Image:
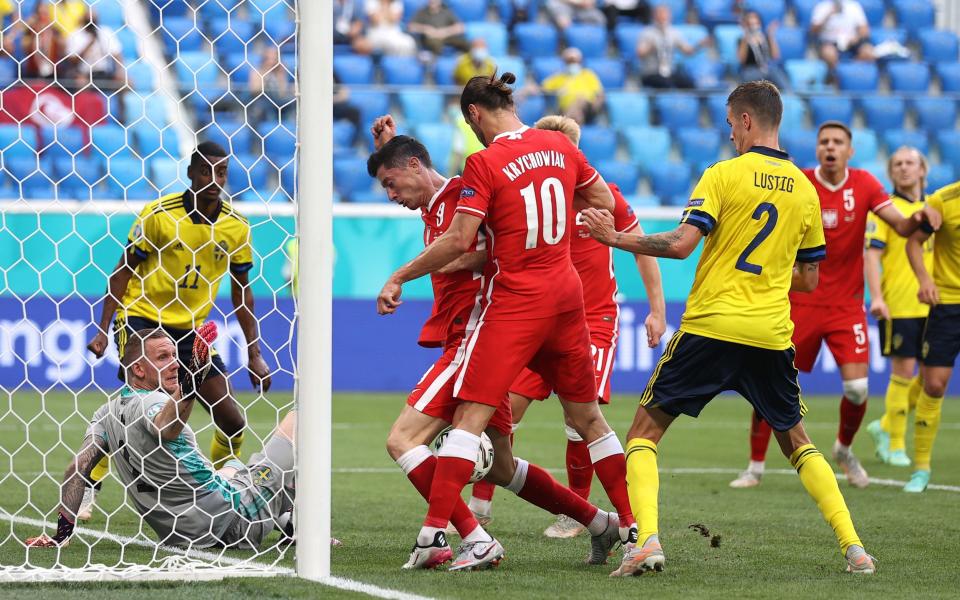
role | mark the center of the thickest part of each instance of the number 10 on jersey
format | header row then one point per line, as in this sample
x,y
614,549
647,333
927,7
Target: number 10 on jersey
x,y
553,206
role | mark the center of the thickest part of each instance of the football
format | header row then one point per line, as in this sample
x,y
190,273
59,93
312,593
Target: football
x,y
484,455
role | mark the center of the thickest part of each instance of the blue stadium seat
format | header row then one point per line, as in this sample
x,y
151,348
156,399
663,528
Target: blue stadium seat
x,y
443,69
109,139
506,9
350,176
18,168
883,112
647,145
536,39
64,141
866,146
280,31
89,170
279,143
909,76
170,175
705,72
180,34
727,38
248,173
935,113
495,34
229,35
770,10
714,13
344,133
468,10
234,135
938,45
792,42
806,75
18,141
370,103
139,75
878,35
401,70
894,138
831,108
949,75
669,179
152,141
643,201
627,35
794,112
512,64
353,69
123,172
694,35
875,10
801,144
858,76
949,143
678,110
531,108
421,106
803,10
598,142
678,9
940,175
625,175
611,71
590,39
628,109
110,13
438,138
717,109
699,147
914,15
545,66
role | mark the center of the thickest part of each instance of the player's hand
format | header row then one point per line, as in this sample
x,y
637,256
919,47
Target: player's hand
x,y
98,345
600,224
259,372
45,541
928,293
383,130
656,326
389,298
930,215
879,309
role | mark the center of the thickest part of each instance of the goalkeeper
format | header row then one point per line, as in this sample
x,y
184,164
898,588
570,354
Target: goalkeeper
x,y
143,429
178,251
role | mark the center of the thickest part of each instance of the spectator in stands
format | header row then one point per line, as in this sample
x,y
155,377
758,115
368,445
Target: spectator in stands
x,y
347,27
638,10
579,91
435,27
96,54
68,15
473,63
566,12
343,109
842,31
270,87
42,44
656,49
384,33
758,52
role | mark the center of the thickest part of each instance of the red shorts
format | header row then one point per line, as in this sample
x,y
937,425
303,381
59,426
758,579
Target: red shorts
x,y
603,347
433,395
557,348
843,328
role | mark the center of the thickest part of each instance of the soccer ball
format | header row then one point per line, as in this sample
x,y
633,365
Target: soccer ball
x,y
484,455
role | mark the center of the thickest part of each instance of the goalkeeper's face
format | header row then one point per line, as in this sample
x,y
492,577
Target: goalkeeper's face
x,y
159,366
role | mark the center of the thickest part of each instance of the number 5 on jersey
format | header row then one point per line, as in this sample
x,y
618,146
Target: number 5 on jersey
x,y
553,207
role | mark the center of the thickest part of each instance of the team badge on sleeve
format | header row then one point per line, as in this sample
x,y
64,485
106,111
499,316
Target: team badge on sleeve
x,y
467,193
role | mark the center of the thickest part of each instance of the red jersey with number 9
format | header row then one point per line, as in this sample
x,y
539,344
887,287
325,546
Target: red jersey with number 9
x,y
523,186
844,209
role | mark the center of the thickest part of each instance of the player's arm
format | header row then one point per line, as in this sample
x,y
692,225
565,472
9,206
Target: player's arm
x,y
871,270
383,130
905,226
74,483
453,243
678,243
806,277
173,417
656,321
595,194
471,261
928,293
116,288
242,297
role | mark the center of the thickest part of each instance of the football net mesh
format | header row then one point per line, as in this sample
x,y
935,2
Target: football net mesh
x,y
101,104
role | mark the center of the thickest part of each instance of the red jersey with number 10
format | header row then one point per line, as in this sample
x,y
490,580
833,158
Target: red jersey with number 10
x,y
523,185
844,209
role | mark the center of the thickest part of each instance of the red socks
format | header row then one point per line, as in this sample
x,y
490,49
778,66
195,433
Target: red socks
x,y
851,415
483,490
449,479
579,468
760,432
422,477
610,465
542,490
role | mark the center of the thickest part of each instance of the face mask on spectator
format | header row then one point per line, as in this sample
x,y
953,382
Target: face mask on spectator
x,y
574,68
479,54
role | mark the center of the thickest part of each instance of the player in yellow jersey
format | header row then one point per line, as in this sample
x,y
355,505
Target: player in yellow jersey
x,y
178,251
893,302
764,236
941,337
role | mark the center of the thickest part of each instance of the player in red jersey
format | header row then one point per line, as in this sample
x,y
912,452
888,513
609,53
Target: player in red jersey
x,y
403,167
594,264
521,187
834,312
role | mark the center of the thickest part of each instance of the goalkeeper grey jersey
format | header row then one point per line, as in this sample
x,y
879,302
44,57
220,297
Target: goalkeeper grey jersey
x,y
172,484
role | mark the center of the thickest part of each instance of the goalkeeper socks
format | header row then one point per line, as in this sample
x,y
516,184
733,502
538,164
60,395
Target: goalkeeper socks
x,y
820,482
455,462
643,481
536,486
896,406
760,432
420,464
606,454
579,466
926,423
100,471
223,448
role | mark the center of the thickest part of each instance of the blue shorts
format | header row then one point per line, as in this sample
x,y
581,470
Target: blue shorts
x,y
941,337
694,369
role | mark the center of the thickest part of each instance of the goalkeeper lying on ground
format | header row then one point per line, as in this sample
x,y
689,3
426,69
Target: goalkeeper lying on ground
x,y
171,484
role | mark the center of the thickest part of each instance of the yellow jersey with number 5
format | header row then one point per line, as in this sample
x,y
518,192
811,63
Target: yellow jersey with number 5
x,y
760,215
946,243
184,259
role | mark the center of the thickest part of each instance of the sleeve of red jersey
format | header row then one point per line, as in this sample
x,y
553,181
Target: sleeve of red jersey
x,y
476,191
586,174
703,209
878,196
624,219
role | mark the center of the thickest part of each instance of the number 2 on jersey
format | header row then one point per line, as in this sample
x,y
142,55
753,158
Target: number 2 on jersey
x,y
765,231
554,211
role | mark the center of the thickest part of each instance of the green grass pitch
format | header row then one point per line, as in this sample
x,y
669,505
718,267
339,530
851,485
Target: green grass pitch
x,y
773,541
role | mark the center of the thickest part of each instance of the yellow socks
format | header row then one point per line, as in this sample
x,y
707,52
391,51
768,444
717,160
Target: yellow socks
x,y
643,485
100,470
820,482
926,423
223,448
916,388
897,405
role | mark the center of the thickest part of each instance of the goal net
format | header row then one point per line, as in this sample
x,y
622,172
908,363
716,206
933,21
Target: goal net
x,y
101,105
